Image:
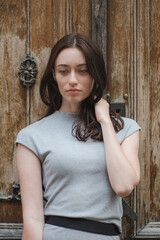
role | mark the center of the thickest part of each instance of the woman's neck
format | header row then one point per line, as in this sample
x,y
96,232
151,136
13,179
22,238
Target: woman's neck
x,y
72,108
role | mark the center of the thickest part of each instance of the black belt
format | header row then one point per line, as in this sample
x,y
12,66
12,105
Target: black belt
x,y
83,225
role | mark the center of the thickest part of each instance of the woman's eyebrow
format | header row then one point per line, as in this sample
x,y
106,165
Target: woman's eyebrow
x,y
65,65
62,65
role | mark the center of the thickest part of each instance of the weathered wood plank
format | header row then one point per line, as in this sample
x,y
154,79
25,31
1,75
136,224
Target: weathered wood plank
x,y
71,16
81,16
148,28
12,94
154,109
121,62
133,96
59,19
41,25
99,25
118,49
143,110
133,60
13,30
10,211
41,41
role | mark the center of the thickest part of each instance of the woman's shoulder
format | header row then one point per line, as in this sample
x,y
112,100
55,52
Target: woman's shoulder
x,y
37,129
130,126
32,136
130,123
33,127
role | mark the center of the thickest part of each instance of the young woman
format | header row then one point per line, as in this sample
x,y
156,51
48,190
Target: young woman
x,y
84,156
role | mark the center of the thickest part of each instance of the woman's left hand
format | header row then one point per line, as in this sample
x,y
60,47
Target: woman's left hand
x,y
102,111
121,160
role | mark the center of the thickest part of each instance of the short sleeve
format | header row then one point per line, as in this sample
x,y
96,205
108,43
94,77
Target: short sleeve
x,y
26,138
130,126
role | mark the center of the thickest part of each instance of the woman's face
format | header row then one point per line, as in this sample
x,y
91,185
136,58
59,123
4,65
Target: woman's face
x,y
74,81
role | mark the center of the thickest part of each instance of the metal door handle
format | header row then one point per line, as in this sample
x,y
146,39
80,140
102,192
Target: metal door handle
x,y
15,193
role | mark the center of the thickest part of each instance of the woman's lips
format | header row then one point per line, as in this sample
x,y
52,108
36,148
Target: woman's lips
x,y
73,91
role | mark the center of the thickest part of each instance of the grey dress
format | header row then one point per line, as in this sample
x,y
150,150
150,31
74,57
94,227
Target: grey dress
x,y
75,178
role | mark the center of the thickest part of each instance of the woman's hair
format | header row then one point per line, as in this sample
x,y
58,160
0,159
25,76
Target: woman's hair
x,y
86,125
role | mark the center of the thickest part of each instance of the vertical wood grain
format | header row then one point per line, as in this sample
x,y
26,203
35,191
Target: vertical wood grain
x,y
143,102
12,94
59,19
10,212
99,25
154,109
148,86
71,16
28,51
82,17
41,41
118,49
13,30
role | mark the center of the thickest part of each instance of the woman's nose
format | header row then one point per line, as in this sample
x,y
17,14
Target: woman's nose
x,y
73,79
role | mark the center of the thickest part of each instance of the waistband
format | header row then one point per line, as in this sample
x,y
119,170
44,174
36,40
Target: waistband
x,y
83,225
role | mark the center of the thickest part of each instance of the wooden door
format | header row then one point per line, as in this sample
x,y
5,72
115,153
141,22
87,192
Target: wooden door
x,y
133,66
148,92
128,32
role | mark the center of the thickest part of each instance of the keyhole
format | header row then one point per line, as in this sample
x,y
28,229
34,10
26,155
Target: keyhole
x,y
118,111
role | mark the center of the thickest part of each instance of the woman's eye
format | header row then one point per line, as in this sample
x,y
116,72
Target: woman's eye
x,y
83,70
63,71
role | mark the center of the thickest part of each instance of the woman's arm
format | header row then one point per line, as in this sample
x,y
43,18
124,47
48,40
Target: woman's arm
x,y
122,160
29,170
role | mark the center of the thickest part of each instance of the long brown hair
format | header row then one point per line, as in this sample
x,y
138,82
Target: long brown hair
x,y
96,67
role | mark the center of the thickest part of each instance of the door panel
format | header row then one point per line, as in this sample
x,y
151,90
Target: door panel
x,y
12,97
148,29
155,112
118,43
41,40
120,77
